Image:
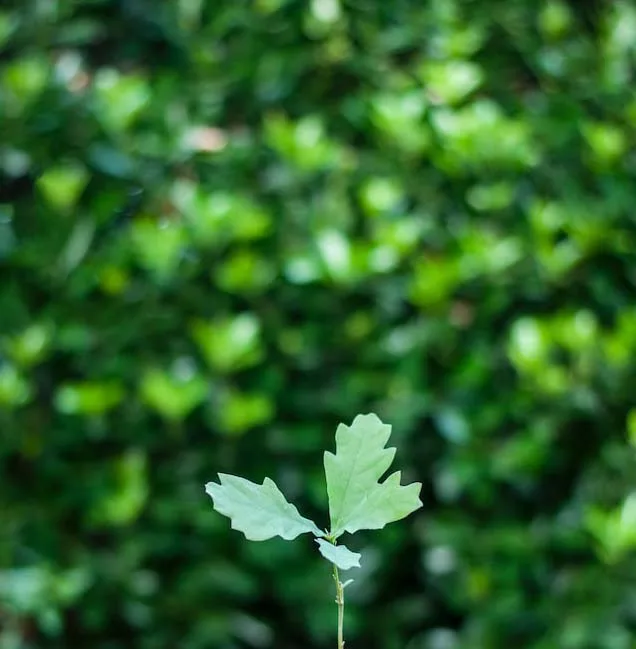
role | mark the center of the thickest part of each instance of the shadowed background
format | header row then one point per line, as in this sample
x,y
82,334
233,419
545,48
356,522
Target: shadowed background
x,y
226,226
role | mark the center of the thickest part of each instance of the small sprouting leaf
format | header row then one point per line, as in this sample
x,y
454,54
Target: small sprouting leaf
x,y
356,499
259,511
339,554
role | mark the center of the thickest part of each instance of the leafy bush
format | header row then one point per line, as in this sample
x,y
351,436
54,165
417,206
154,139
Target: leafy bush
x,y
226,226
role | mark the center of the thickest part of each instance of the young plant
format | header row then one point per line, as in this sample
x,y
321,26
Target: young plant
x,y
357,500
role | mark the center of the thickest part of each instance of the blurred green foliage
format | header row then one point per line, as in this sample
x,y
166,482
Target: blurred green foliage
x,y
226,226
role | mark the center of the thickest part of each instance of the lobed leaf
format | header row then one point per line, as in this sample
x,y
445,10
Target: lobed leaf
x,y
259,511
356,499
339,554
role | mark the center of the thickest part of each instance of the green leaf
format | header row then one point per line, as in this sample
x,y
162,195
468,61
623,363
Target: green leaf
x,y
259,511
173,395
230,344
339,554
356,500
88,397
63,185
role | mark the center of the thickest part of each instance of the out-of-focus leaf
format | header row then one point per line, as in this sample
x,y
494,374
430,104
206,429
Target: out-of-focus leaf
x,y
231,344
173,397
62,186
89,398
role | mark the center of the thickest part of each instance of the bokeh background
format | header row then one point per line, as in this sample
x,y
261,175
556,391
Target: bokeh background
x,y
226,226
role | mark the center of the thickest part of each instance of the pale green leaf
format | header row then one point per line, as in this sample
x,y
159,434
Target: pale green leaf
x,y
259,511
356,499
339,554
386,502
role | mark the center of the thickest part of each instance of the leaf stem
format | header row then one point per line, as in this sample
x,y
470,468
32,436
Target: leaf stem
x,y
339,602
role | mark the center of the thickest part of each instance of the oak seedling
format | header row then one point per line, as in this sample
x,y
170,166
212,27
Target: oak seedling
x,y
357,500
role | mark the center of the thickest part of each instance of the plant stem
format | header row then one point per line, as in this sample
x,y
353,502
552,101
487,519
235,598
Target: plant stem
x,y
340,602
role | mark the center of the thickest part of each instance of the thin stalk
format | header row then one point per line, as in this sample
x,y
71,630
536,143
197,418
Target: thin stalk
x,y
340,602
